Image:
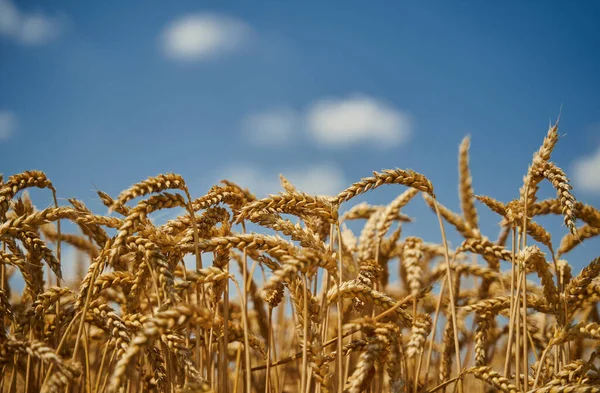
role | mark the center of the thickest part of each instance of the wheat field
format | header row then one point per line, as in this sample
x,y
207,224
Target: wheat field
x,y
302,304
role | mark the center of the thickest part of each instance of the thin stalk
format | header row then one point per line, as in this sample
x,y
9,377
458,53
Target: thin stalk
x,y
517,318
104,353
339,306
13,376
223,355
198,257
434,331
269,348
451,292
88,377
88,297
525,334
248,364
525,350
60,345
539,369
29,359
211,364
304,372
59,259
112,358
238,365
512,303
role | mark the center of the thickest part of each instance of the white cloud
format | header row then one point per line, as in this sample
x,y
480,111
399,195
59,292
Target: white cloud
x,y
586,172
201,36
330,122
316,179
357,119
27,28
274,128
8,124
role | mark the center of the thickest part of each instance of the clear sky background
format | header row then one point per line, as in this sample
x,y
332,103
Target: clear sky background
x,y
104,94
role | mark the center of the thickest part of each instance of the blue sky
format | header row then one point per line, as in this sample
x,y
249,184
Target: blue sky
x,y
104,94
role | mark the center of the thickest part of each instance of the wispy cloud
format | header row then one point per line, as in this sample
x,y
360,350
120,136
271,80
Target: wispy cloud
x,y
198,37
356,119
316,179
28,28
8,124
332,122
586,172
272,128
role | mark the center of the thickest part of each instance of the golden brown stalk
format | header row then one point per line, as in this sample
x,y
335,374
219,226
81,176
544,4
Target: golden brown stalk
x,y
483,322
393,210
411,259
445,366
182,227
35,245
492,204
47,299
576,288
420,331
287,186
354,288
65,371
258,302
5,310
138,216
109,202
18,182
539,234
570,241
300,262
586,213
32,281
393,362
368,244
530,182
498,303
363,211
231,195
453,218
76,241
465,189
486,248
155,184
177,317
407,178
274,296
364,372
590,330
304,236
299,204
52,214
253,241
571,388
531,257
494,378
561,183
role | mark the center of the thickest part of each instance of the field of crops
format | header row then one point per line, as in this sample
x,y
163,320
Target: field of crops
x,y
305,305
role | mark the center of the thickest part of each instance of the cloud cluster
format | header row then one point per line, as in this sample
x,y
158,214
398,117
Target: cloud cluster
x,y
332,122
586,172
356,119
196,37
28,28
8,124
